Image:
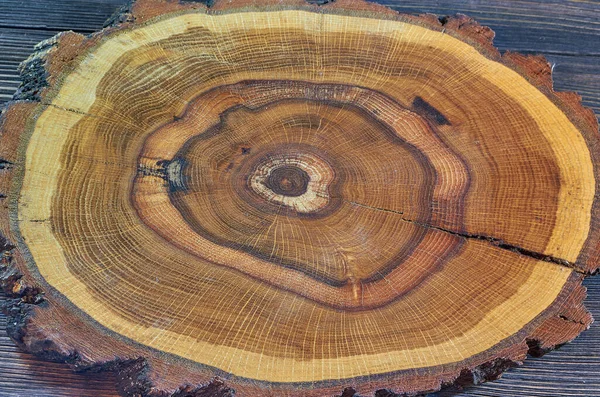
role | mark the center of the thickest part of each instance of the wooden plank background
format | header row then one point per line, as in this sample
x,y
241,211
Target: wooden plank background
x,y
567,32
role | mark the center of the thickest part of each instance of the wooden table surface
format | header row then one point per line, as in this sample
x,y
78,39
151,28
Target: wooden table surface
x,y
567,32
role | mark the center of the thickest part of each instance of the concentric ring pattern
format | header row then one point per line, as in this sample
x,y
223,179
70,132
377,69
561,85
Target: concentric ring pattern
x,y
301,196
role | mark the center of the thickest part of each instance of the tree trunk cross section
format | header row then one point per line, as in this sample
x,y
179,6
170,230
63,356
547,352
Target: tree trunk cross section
x,y
294,200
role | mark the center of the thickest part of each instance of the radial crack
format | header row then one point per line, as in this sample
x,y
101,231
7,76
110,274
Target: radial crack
x,y
492,240
377,209
5,164
565,318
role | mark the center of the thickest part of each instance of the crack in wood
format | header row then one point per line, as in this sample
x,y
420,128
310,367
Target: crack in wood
x,y
70,110
5,164
492,240
563,317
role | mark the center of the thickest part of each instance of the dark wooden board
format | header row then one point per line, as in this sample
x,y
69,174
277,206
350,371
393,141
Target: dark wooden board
x,y
56,15
566,32
547,26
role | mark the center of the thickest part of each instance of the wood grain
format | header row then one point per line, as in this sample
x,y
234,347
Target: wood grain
x,y
549,27
561,60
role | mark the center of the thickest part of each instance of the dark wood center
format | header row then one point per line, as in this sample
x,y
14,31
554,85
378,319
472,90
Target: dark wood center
x,y
288,181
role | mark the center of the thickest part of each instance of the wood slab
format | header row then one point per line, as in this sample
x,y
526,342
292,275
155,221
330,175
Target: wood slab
x,y
308,184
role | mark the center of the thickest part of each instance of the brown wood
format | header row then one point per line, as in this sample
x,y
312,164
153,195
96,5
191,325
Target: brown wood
x,y
226,218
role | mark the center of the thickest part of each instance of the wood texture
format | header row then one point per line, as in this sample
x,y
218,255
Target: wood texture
x,y
26,375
